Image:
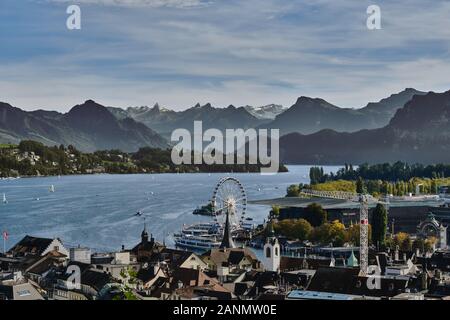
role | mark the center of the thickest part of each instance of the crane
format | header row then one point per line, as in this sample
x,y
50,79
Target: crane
x,y
363,200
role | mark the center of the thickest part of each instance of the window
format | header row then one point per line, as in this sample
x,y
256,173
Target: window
x,y
276,252
267,252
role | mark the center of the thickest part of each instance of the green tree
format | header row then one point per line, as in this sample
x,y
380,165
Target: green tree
x,y
302,229
379,225
316,175
360,187
293,191
315,214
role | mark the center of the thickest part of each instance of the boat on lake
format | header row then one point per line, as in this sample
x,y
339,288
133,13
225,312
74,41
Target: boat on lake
x,y
202,236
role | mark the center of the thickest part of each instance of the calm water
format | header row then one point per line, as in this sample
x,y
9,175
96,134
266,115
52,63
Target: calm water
x,y
98,210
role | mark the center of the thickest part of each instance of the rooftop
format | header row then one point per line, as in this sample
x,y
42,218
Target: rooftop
x,y
315,295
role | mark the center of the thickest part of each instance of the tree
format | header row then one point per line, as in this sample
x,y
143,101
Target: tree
x,y
293,191
379,225
327,233
302,229
294,229
316,175
315,214
338,233
360,187
275,211
429,244
403,241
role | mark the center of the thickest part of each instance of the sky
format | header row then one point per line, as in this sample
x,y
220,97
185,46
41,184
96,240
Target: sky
x,y
241,52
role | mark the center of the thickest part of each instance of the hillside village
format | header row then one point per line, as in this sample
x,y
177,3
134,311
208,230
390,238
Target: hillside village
x,y
32,158
39,268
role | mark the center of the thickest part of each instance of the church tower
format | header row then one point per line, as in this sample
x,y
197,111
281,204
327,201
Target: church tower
x,y
144,234
272,254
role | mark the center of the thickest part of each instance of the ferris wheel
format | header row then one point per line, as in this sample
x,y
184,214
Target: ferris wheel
x,y
229,194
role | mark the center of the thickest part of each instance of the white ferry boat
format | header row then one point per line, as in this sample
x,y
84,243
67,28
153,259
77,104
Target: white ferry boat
x,y
198,242
199,236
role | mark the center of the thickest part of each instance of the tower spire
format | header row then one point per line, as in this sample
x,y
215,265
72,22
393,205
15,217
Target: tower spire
x,y
144,234
227,241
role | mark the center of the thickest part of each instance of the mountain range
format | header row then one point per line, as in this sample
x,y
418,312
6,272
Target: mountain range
x,y
418,133
164,121
410,126
88,126
309,115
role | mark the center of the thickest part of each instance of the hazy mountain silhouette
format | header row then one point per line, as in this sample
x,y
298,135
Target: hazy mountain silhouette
x,y
165,121
309,115
88,126
418,132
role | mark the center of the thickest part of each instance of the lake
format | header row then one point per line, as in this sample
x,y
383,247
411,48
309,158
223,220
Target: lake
x,y
98,211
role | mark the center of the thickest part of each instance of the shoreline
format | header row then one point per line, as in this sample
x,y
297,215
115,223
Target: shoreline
x,y
135,173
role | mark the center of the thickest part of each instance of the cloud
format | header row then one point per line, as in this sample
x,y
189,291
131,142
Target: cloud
x,y
141,3
228,52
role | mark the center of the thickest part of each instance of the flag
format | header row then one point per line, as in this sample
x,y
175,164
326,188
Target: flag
x,y
5,235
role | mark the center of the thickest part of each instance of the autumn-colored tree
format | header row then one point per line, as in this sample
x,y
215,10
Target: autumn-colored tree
x,y
403,241
327,233
275,211
429,244
294,229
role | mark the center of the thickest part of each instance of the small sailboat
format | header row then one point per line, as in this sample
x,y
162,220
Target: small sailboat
x,y
4,199
52,188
